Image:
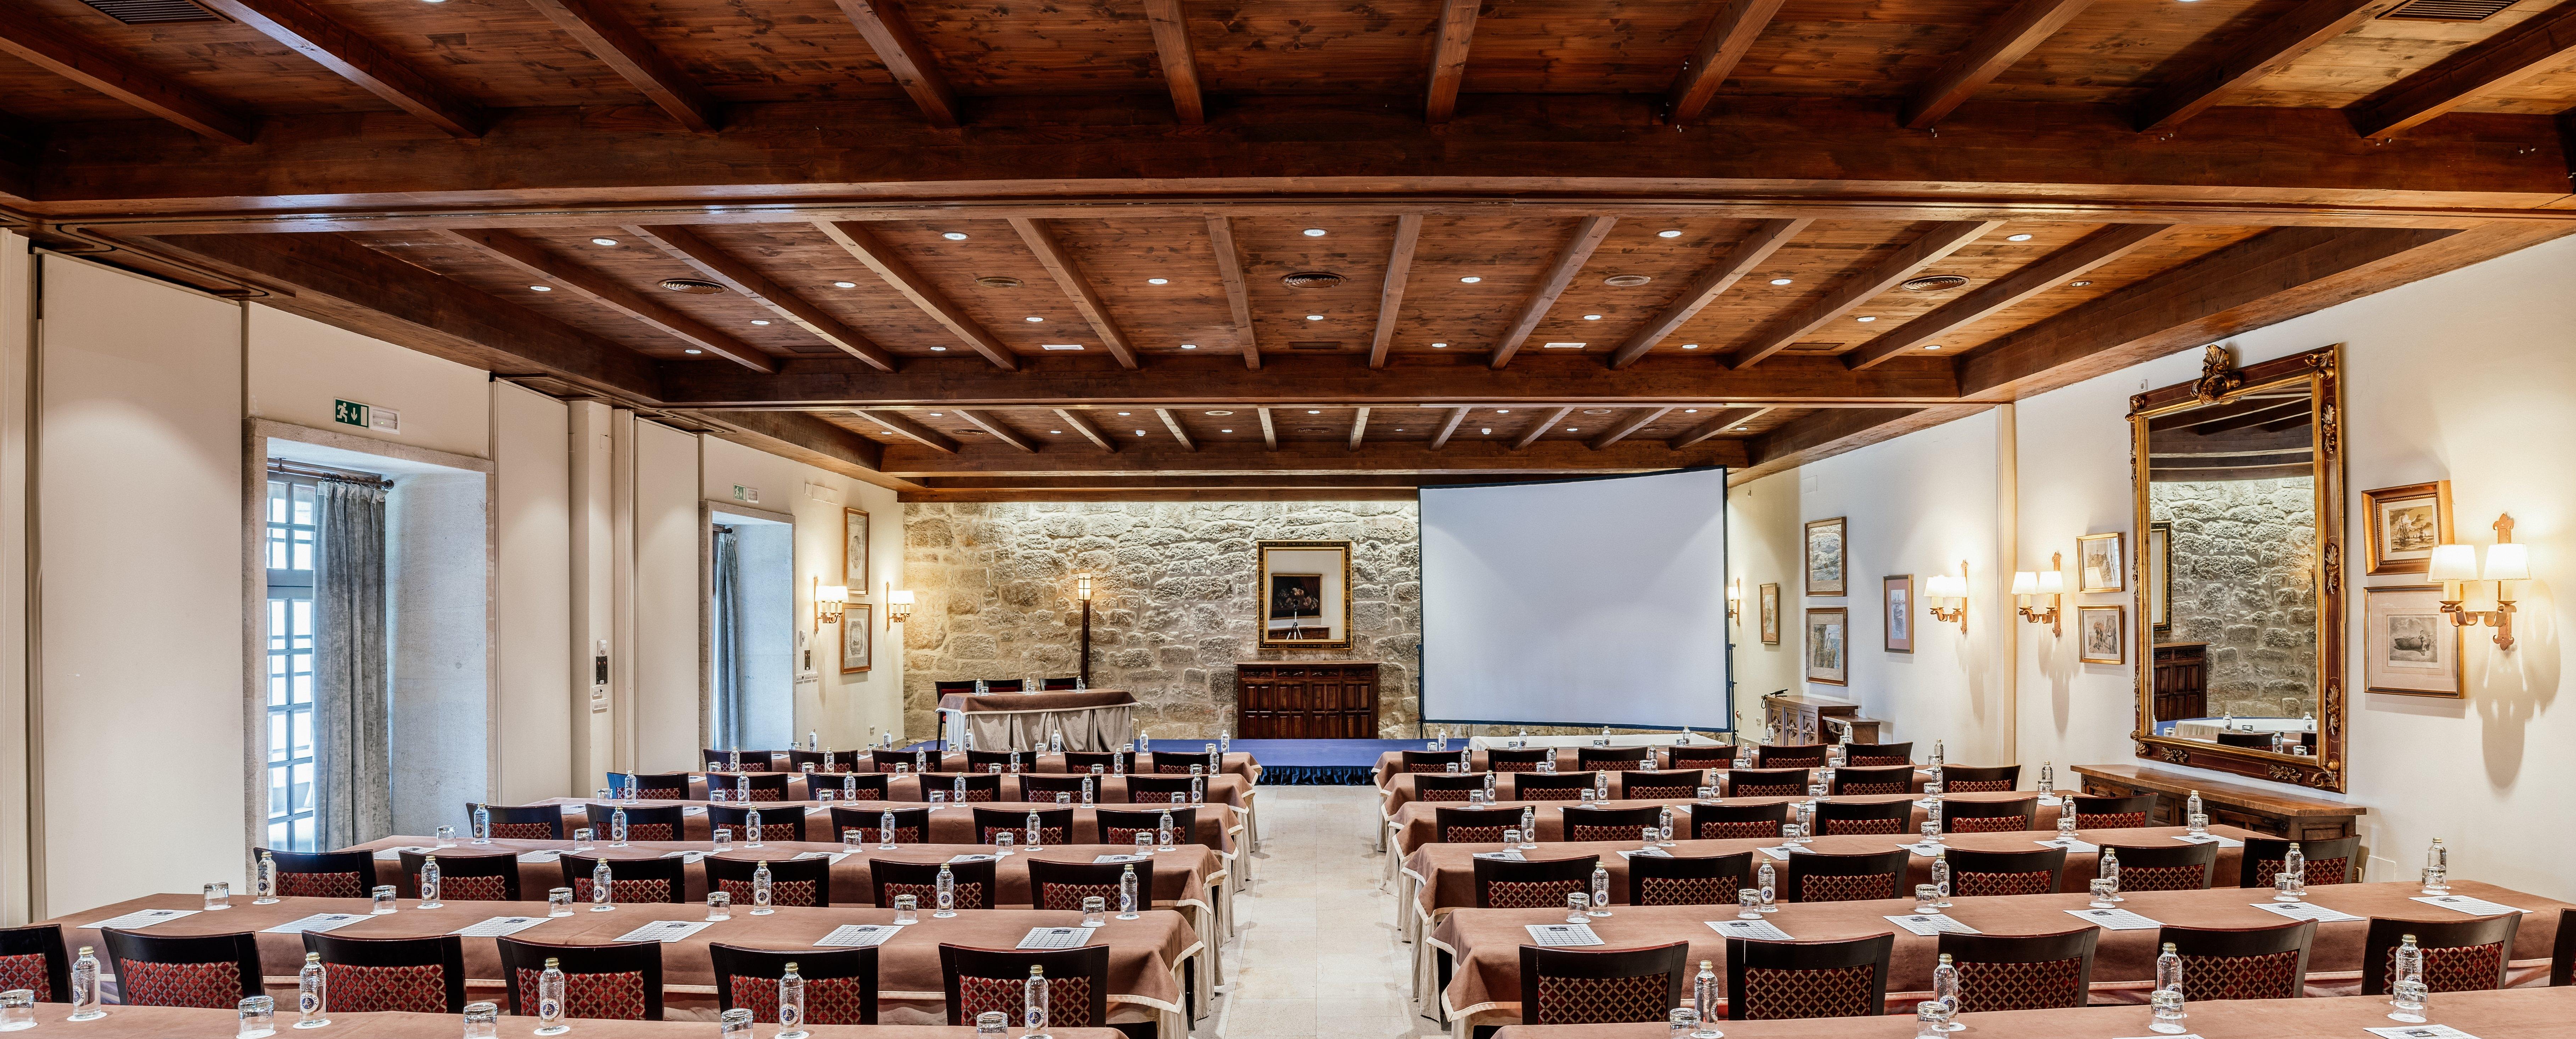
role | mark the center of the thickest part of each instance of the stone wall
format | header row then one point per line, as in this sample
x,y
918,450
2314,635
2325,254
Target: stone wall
x,y
2244,557
1174,606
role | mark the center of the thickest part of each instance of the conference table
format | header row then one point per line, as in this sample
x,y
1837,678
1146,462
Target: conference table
x,y
1148,956
1401,790
1088,719
2523,1013
1391,763
1416,824
123,1022
1474,978
1227,789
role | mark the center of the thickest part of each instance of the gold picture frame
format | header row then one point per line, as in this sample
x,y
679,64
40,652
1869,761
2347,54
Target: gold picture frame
x,y
858,638
1771,614
2408,647
1828,645
1896,612
2405,523
854,551
1828,569
1305,594
2102,562
2102,634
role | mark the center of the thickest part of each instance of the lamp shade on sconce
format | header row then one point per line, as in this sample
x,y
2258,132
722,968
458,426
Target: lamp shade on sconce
x,y
2454,563
2506,562
2052,582
2025,583
831,593
1942,588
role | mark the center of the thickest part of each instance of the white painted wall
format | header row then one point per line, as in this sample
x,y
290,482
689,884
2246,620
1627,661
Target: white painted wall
x,y
438,584
668,604
536,698
298,366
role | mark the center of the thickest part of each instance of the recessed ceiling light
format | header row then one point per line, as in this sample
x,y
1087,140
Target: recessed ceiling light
x,y
1931,346
541,288
1867,320
692,351
1502,411
1439,346
758,321
1123,413
1486,432
1739,427
1313,412
1033,319
1189,346
955,236
2079,284
1471,279
1225,431
1314,317
1591,317
2016,238
1571,429
603,241
1057,432
1158,281
934,414
1140,432
1220,413
938,349
1690,346
1314,232
1781,281
845,284
1669,233
1690,411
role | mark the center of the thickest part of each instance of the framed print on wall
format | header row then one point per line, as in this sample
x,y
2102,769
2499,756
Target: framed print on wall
x,y
1771,614
2405,523
858,638
1828,654
2103,634
1896,605
1825,557
854,551
1305,594
2101,562
2407,645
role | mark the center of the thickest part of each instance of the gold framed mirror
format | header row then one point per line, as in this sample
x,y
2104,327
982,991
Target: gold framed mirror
x,y
2239,478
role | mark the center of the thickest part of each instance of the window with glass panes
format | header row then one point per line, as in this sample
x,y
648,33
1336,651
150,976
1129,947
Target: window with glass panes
x,y
291,529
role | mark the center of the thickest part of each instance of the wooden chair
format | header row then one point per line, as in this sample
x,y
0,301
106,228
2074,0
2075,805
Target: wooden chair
x,y
983,980
884,761
752,761
1893,779
839,761
463,878
1766,782
1878,755
1815,877
1699,757
1610,759
1504,884
1551,786
1042,788
630,881
524,822
761,786
1662,786
1980,779
2329,862
985,788
1150,789
798,759
367,975
1988,816
214,970
326,874
2562,955
650,786
619,982
957,687
2113,813
1057,685
1435,762
2459,956
1011,762
1446,788
1054,824
1976,874
1119,827
784,823
1521,760
1788,755
911,825
1167,763
1836,818
1111,762
1678,881
1063,885
2023,972
792,881
2180,867
974,888
1607,824
2256,963
1735,822
643,823
1775,981
1471,825
840,984
851,786
32,958
1602,986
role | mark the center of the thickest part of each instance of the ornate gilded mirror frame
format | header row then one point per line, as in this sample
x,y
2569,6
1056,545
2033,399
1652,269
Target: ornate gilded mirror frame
x,y
2222,383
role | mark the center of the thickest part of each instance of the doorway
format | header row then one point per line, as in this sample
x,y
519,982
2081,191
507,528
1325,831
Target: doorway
x,y
751,628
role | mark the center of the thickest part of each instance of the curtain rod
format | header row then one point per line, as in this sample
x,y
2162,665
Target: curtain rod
x,y
324,472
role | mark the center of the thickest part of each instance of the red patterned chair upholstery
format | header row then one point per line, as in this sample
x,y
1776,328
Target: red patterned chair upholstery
x,y
215,970
752,761
2463,956
2113,813
792,881
1878,755
463,878
1662,786
911,825
840,984
1120,826
1550,786
1788,755
849,786
1988,816
1080,761
1836,818
982,762
1445,788
621,982
1602,986
2257,963
1980,779
365,975
1042,788
32,958
982,980
523,822
1610,759
1977,874
2329,862
2176,867
1504,884
1895,779
1156,790
975,888
1814,877
1772,981
629,880
1063,885
782,823
1055,825
758,786
1167,763
1435,762
986,788
1699,757
643,822
650,786
1607,824
1737,822
2023,972
324,874
1517,760
1695,881
883,761
1767,782
1472,825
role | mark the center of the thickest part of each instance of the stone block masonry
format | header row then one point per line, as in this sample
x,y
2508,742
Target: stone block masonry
x,y
2243,581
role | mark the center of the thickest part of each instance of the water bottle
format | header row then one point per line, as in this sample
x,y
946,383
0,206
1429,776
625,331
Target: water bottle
x,y
1945,988
2048,780
751,828
1600,890
1163,831
1086,791
550,999
849,786
1081,684
813,740
599,887
1198,790
920,762
616,828
1035,1007
979,687
1768,880
85,987
791,1005
1015,762
947,892
1941,876
2111,872
760,889
2293,879
2167,998
1035,831
2191,805
1055,742
885,830
1118,763
264,880
2066,820
482,824
1529,823
2406,993
1938,758
733,760
2437,868
1704,995
957,789
1224,743
310,993
429,882
1601,785
1127,893
742,788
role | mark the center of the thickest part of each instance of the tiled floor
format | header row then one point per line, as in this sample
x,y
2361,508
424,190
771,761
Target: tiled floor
x,y
1318,954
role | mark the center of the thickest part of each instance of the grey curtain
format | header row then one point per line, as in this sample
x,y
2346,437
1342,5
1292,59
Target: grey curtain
x,y
352,708
727,635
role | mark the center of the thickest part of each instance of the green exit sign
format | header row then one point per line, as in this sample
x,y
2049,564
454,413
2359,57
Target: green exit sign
x,y
349,413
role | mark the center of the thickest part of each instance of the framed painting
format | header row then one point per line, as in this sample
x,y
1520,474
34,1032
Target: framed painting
x,y
2101,562
2407,646
1771,614
1896,604
854,551
858,638
1825,557
2102,634
1828,655
1305,594
2155,578
2405,523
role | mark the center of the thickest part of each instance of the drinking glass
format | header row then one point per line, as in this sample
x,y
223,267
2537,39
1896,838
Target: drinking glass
x,y
824,795
724,838
2406,1001
446,837
1929,1019
939,797
219,895
1095,911
1931,831
482,1021
1064,799
2168,1011
1587,795
992,1024
1789,833
1144,843
1578,908
1704,792
1453,768
2285,887
583,838
1927,898
1002,843
907,909
2102,890
719,905
18,1011
734,1024
384,900
258,1015
559,901
1748,903
2199,823
1511,838
1529,837
1095,770
1682,1021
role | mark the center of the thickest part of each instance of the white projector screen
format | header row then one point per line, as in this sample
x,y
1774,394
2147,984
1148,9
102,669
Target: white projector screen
x,y
1585,602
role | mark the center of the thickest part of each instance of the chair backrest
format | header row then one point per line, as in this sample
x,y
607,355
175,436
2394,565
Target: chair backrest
x,y
1699,757
1082,760
643,822
2329,862
1975,874
621,981
1040,788
326,874
1772,981
1063,885
463,878
1656,880
840,984
650,786
1166,763
2177,867
366,975
1816,877
2459,956
1058,685
752,761
1504,884
1892,779
961,687
761,786
1960,816
2253,963
885,760
1601,986
975,888
984,787
798,759
1980,779
2113,813
1521,760
1788,755
2562,956
1446,788
2023,972
32,958
1156,789
1610,759
1554,786
1868,755
1836,818
213,970
792,881
1735,822
984,760
629,880
911,825
1607,824
523,822
1472,825
982,980
851,786
1119,826
1766,782
1055,825
1662,785
842,760
777,823
1434,762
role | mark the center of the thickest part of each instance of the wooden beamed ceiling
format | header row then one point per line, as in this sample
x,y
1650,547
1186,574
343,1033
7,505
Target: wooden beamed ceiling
x,y
1275,249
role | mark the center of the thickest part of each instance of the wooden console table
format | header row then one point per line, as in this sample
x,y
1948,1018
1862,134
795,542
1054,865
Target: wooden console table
x,y
2284,815
1801,720
1305,700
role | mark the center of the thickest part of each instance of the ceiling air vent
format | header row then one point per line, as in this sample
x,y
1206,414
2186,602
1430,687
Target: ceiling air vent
x,y
1315,344
152,12
2448,10
692,286
1934,283
995,281
1626,281
1312,280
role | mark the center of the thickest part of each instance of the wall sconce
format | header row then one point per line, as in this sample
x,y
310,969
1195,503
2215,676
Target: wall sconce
x,y
2456,566
828,600
1082,591
1735,601
1947,595
1082,586
898,605
2051,583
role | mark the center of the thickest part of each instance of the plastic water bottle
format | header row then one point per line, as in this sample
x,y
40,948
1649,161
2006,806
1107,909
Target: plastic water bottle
x,y
264,881
751,828
957,789
1127,893
482,824
791,1005
429,882
311,995
1600,890
2047,779
1945,987
1035,1006
2293,879
2111,872
1035,831
849,786
85,987
1055,742
600,883
1086,791
2167,998
1015,762
1163,831
1704,995
550,1000
885,830
760,889
946,886
1224,742
617,827
1941,877
733,760
2437,868
2406,994
1768,880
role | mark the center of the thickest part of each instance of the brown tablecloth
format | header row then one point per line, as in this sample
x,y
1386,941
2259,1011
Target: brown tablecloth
x,y
1015,700
1391,763
1224,788
1415,824
1092,719
1180,875
949,823
1484,944
2526,1013
161,1022
1142,952
1237,763
1445,874
1398,791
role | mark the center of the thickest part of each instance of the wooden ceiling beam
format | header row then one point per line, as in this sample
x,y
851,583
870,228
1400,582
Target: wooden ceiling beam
x,y
26,36
1813,438
533,260
1530,436
1173,423
687,246
1925,251
1634,421
1060,266
354,58
2194,90
1569,262
633,58
1238,295
1000,432
804,438
1751,252
2519,52
1456,29
2039,276
1359,428
1085,427
898,424
1729,37
1448,428
1994,49
1722,422
1269,430
1314,458
863,244
914,68
1390,295
1171,27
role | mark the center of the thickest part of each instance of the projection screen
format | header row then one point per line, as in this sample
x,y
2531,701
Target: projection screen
x,y
1583,602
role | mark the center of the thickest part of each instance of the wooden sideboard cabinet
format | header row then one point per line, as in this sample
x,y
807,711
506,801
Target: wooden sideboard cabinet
x,y
1801,720
1294,700
2284,815
2182,681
